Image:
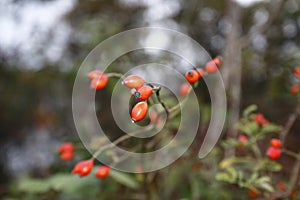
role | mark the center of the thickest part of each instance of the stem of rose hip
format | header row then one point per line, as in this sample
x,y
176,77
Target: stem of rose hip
x,y
161,102
115,75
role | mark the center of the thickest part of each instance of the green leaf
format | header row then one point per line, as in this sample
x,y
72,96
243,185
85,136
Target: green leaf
x,y
75,185
195,188
241,177
123,178
271,128
253,178
229,176
249,127
249,110
66,183
272,166
264,183
36,186
266,186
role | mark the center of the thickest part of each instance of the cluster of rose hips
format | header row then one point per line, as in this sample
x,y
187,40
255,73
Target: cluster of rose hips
x,y
274,152
98,79
261,120
193,75
296,88
83,168
142,91
66,151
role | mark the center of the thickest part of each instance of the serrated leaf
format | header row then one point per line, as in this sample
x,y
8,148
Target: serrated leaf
x,y
66,183
267,187
222,176
249,127
240,178
229,176
124,179
270,128
233,160
252,178
272,166
227,162
229,143
263,179
75,185
253,127
249,110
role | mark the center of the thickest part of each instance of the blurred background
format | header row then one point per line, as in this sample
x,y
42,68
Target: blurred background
x,y
43,42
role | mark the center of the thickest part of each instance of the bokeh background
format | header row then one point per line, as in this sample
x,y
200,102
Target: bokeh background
x,y
43,43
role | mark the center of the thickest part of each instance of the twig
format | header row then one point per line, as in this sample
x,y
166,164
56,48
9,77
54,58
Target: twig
x,y
161,102
116,75
121,139
292,154
290,122
294,176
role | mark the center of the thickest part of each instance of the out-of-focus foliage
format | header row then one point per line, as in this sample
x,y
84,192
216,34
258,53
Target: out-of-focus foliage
x,y
37,99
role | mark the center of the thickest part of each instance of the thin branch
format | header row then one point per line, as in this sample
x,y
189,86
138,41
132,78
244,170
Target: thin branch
x,y
116,75
121,139
292,183
290,122
161,102
292,154
294,176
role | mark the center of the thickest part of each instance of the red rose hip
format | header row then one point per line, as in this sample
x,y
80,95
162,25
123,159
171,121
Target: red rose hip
x,y
102,172
192,76
296,72
83,168
133,81
143,93
95,74
260,119
201,72
294,89
243,138
99,82
66,147
68,155
211,67
276,143
184,89
273,153
218,61
139,111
